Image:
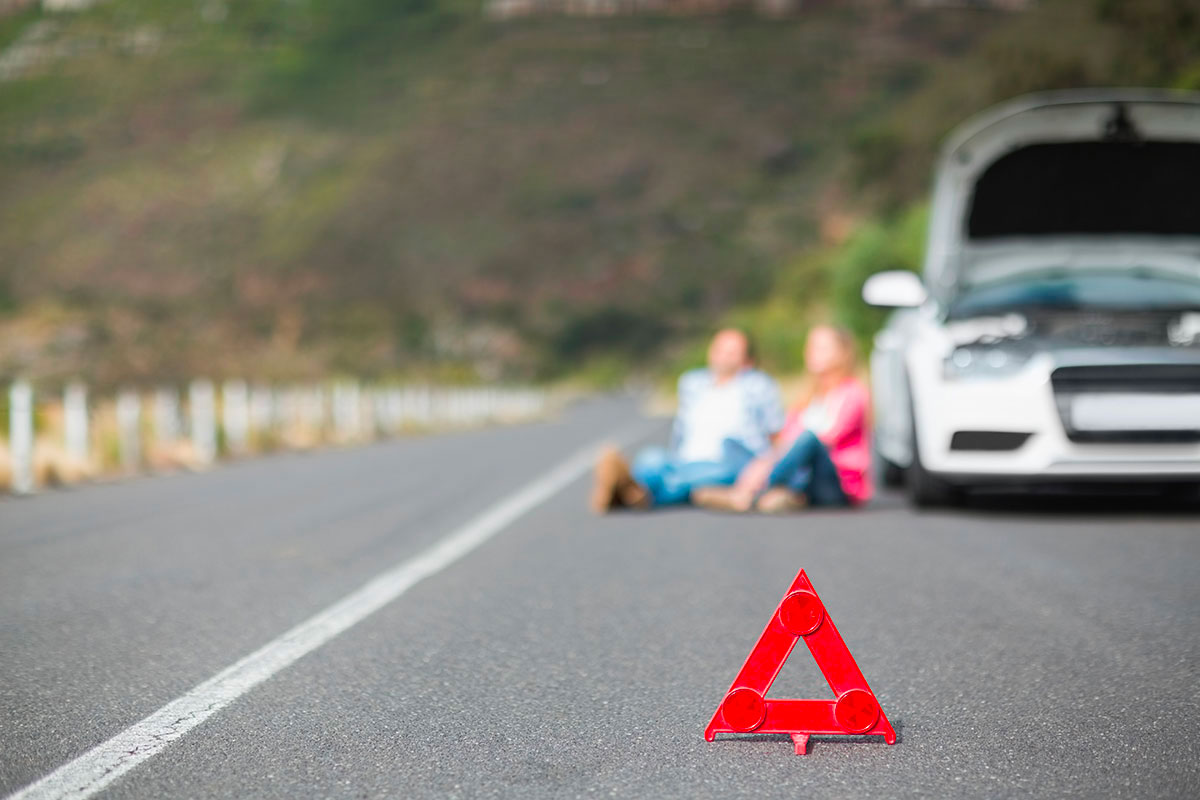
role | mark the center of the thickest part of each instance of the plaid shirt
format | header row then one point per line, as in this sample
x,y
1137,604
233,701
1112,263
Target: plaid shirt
x,y
762,410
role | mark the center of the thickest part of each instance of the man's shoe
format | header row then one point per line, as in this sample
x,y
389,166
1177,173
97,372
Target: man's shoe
x,y
634,495
780,501
613,484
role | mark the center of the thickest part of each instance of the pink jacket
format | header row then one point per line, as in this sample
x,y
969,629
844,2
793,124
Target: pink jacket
x,y
847,436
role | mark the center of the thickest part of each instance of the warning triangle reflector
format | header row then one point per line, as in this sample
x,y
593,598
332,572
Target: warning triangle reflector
x,y
854,709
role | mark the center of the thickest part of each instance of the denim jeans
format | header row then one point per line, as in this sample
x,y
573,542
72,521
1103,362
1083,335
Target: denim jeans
x,y
670,481
807,469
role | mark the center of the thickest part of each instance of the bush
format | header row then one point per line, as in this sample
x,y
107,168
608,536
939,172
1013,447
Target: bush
x,y
876,246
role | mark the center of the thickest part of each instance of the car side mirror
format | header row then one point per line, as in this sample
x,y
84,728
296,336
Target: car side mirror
x,y
895,288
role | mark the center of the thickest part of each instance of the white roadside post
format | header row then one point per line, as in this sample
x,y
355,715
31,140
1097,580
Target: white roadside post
x,y
368,419
479,405
129,423
395,409
347,411
493,404
202,410
20,436
466,405
235,415
167,424
458,406
75,421
439,406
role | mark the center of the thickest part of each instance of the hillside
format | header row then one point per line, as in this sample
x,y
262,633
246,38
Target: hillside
x,y
296,189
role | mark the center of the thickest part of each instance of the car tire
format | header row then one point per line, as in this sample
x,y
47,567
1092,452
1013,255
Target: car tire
x,y
888,474
927,490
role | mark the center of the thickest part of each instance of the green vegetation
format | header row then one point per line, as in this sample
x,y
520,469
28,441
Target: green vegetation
x,y
295,188
824,284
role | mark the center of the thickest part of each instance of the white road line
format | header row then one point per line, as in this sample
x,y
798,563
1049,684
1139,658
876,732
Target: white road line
x,y
105,763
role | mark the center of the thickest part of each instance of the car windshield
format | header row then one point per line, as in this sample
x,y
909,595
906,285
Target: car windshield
x,y
1074,289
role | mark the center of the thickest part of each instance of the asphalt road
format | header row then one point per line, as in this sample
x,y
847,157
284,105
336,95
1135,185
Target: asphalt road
x,y
1017,649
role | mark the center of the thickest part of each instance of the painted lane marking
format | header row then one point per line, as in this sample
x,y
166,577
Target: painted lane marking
x,y
108,761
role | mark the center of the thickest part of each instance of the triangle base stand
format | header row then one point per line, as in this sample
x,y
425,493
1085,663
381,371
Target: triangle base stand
x,y
746,709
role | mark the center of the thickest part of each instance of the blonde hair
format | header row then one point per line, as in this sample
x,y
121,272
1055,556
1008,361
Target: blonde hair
x,y
849,347
846,341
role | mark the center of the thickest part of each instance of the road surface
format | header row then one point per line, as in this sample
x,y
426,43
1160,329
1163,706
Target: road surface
x,y
1017,649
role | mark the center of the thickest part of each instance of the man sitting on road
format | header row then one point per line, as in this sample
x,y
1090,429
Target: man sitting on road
x,y
728,414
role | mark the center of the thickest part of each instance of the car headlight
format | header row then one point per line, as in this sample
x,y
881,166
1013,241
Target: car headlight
x,y
984,362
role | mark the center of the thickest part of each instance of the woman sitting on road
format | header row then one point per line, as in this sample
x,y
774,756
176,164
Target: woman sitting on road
x,y
822,457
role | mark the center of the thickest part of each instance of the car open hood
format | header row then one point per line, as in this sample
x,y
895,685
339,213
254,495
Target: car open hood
x,y
1046,180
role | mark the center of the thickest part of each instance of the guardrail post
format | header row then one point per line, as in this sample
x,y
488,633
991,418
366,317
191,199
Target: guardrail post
x,y
167,425
20,436
315,409
235,415
75,421
345,399
202,410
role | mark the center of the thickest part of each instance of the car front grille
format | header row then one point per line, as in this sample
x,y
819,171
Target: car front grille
x,y
1127,378
1179,382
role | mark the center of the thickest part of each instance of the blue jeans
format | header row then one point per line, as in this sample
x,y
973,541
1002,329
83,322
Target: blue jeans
x,y
807,469
670,481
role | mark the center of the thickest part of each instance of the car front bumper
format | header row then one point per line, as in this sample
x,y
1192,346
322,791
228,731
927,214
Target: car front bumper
x,y
1025,403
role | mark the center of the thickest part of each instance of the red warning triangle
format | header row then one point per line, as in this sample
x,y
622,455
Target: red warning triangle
x,y
746,707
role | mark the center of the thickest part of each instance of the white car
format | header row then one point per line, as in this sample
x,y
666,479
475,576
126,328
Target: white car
x,y
1055,334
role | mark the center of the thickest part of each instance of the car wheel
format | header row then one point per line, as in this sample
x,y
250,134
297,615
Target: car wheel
x,y
887,473
929,491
